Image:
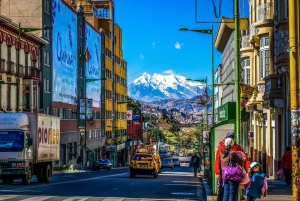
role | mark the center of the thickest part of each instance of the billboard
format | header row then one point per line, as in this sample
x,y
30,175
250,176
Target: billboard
x,y
93,64
64,51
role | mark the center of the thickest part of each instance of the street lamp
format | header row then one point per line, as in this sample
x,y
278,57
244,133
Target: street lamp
x,y
206,102
20,32
85,114
211,32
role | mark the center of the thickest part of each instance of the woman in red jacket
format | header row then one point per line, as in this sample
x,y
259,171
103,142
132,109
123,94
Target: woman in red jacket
x,y
286,165
218,168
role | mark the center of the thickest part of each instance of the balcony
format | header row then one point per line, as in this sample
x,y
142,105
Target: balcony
x,y
21,71
11,68
264,12
32,73
2,66
245,41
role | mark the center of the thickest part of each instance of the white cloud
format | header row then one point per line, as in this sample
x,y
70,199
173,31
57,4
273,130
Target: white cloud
x,y
153,44
177,45
168,72
142,56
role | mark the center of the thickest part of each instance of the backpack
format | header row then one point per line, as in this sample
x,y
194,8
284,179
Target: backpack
x,y
233,171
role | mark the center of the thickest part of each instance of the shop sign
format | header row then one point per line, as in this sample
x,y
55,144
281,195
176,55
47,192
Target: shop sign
x,y
279,103
222,113
250,134
111,148
120,146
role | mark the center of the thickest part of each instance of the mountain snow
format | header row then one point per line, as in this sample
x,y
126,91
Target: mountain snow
x,y
158,87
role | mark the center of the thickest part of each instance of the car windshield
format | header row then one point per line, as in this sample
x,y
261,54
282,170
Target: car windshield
x,y
104,161
176,159
142,157
167,160
11,141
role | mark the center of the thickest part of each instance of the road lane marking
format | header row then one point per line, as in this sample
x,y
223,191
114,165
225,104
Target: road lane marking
x,y
5,197
182,193
111,190
113,199
39,198
74,181
77,198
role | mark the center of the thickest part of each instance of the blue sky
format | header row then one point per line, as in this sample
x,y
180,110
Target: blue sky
x,y
152,41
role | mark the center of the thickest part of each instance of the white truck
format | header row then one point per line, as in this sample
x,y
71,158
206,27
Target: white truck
x,y
29,143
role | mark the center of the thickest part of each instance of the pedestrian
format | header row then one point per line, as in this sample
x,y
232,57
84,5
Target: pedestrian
x,y
79,162
233,170
195,163
286,165
218,167
257,186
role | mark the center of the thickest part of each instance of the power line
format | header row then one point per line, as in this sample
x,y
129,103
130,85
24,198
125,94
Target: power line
x,y
167,57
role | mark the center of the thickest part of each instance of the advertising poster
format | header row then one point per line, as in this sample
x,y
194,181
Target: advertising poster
x,y
82,108
93,64
205,137
246,93
89,111
64,23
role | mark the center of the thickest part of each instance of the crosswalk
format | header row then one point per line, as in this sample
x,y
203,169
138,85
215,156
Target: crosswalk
x,y
75,198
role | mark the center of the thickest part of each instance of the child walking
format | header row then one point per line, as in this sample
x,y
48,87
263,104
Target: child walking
x,y
257,186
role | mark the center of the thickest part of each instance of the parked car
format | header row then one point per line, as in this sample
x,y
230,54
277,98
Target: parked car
x,y
176,162
167,162
103,164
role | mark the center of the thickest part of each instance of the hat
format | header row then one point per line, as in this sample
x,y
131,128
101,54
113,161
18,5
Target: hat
x,y
229,142
230,134
253,164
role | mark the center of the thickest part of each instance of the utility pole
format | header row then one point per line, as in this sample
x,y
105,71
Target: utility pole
x,y
294,91
237,68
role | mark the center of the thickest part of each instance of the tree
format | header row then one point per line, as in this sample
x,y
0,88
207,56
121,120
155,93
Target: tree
x,y
134,105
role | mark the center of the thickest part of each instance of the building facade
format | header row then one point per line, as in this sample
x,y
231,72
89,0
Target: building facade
x,y
70,73
20,68
114,70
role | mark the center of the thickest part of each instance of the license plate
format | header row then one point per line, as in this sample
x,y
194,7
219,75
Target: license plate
x,y
143,166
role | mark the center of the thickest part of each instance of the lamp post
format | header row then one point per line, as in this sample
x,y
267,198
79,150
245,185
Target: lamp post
x,y
85,113
20,32
211,32
206,108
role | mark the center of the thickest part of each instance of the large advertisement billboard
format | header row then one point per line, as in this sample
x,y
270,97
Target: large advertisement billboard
x,y
64,54
93,64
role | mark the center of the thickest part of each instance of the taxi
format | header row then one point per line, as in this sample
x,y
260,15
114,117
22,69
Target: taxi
x,y
143,163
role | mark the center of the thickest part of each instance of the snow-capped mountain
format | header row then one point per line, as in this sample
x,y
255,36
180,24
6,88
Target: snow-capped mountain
x,y
149,88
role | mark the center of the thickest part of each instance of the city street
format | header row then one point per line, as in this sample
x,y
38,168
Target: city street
x,y
115,185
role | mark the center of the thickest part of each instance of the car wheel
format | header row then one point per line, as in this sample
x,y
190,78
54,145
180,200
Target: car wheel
x,y
171,168
155,175
132,174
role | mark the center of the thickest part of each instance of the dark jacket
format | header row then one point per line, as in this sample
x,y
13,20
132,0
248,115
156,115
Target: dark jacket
x,y
196,158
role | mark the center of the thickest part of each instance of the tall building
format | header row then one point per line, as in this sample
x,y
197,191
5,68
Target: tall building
x,y
100,14
70,73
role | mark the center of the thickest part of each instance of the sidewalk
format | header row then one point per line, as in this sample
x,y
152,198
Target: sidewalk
x,y
277,190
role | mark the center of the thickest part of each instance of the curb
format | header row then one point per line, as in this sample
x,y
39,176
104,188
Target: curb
x,y
208,191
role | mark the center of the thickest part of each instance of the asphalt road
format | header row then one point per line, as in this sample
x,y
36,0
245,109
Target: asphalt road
x,y
115,185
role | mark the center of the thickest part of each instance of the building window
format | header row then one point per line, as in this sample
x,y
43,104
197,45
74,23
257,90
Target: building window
x,y
286,9
35,98
47,34
246,71
46,85
47,6
264,57
46,58
80,32
8,105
